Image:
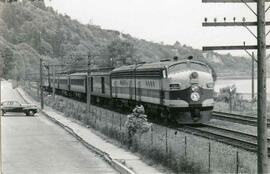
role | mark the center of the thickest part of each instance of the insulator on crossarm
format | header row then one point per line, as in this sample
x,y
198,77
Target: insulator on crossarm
x,y
205,19
224,19
244,19
234,18
215,19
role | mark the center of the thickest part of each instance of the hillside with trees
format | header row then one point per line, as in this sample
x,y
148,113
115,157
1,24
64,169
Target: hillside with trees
x,y
30,31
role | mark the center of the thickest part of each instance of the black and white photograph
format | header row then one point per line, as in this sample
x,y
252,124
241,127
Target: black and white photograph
x,y
134,86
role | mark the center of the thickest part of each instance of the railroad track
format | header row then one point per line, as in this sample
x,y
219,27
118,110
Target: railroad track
x,y
231,137
237,118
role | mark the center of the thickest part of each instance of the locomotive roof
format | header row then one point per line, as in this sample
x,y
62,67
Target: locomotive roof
x,y
153,66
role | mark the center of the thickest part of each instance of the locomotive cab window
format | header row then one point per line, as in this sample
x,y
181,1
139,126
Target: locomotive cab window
x,y
188,66
199,67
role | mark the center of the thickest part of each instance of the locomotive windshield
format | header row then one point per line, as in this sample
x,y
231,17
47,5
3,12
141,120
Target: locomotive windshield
x,y
188,66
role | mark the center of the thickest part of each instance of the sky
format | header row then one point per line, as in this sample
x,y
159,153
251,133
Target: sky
x,y
164,21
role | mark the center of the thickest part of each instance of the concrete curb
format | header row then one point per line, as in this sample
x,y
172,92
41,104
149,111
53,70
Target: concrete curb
x,y
114,163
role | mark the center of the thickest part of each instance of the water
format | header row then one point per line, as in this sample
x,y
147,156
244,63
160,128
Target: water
x,y
243,86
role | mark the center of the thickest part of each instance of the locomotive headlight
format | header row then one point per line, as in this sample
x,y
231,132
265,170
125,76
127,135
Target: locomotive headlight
x,y
195,88
195,96
194,75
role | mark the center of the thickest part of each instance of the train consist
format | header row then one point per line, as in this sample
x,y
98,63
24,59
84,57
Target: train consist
x,y
181,91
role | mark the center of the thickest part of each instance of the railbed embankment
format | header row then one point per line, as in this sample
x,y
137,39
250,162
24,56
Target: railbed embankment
x,y
177,150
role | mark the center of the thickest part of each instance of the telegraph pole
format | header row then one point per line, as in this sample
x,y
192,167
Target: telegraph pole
x,y
88,107
53,70
41,84
252,76
261,82
262,155
0,123
1,74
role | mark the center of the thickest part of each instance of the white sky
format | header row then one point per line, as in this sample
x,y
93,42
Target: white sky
x,y
164,20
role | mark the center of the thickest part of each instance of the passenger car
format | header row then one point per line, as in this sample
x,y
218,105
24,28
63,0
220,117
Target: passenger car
x,y
178,90
15,106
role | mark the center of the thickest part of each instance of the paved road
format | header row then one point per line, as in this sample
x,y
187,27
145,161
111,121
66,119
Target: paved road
x,y
34,145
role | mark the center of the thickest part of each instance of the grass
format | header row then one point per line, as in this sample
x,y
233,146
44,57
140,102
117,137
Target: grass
x,y
154,147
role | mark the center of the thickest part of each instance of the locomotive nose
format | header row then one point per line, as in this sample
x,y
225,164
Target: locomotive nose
x,y
195,115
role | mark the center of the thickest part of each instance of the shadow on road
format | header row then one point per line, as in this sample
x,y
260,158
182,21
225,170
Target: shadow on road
x,y
16,115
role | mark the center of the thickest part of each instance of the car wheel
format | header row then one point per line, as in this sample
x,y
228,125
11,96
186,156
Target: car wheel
x,y
30,113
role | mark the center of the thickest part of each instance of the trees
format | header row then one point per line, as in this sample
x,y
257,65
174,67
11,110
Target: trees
x,y
121,50
8,62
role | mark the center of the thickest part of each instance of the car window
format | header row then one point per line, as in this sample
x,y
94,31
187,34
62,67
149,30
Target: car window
x,y
15,103
5,103
11,103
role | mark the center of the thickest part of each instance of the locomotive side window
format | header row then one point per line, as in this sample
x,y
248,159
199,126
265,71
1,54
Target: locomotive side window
x,y
91,82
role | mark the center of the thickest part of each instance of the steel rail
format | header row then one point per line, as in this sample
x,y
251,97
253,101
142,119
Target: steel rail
x,y
230,137
233,138
237,118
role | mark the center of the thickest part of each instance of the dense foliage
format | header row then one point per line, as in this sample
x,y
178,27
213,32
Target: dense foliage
x,y
30,31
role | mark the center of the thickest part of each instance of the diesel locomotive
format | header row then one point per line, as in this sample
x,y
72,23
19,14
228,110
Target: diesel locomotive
x,y
181,91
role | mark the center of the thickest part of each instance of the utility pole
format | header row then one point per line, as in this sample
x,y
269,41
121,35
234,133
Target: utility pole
x,y
261,82
252,75
1,74
88,107
41,84
262,155
0,123
53,70
49,78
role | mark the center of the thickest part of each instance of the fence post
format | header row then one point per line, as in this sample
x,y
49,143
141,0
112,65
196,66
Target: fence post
x,y
100,114
152,142
166,133
185,146
112,125
96,112
38,95
107,123
120,122
237,162
230,102
209,157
